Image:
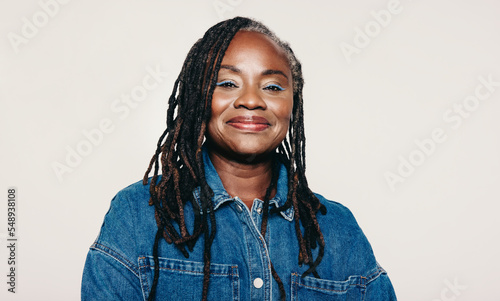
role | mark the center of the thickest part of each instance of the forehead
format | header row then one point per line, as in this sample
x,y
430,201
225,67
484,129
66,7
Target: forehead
x,y
246,44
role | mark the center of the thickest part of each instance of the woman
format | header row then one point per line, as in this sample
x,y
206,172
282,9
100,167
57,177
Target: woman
x,y
232,217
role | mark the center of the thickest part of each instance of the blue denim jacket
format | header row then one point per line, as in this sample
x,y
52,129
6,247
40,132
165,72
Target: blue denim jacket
x,y
120,265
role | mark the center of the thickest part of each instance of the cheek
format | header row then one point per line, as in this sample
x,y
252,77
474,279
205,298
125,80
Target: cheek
x,y
216,118
284,111
216,112
213,126
220,103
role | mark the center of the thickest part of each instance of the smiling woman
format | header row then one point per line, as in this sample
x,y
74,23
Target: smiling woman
x,y
232,217
251,110
252,103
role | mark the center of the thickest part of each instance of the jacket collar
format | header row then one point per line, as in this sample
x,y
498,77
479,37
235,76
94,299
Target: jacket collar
x,y
221,196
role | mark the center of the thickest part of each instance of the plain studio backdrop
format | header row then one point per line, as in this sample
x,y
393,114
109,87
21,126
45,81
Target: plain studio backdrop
x,y
401,109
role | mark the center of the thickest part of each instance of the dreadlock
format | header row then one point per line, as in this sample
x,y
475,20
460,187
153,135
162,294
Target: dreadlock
x,y
179,150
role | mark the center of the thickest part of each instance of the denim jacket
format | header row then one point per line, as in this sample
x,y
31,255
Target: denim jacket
x,y
120,264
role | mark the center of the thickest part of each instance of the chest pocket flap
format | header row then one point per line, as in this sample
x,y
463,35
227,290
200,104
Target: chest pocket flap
x,y
183,280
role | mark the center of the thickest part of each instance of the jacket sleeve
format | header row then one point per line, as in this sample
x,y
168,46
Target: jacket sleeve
x,y
111,269
355,252
107,278
380,289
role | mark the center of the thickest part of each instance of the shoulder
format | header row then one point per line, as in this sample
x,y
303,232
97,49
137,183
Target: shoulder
x,y
133,191
131,200
344,238
337,215
128,205
113,257
349,253
336,207
129,216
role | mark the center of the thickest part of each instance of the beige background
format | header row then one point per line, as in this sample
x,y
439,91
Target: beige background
x,y
438,225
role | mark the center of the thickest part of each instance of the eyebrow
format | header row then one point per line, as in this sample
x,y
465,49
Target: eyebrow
x,y
266,72
270,72
230,67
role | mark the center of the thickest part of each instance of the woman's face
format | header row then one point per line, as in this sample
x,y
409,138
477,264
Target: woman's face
x,y
253,100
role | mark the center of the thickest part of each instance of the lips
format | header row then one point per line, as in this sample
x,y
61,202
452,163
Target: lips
x,y
249,123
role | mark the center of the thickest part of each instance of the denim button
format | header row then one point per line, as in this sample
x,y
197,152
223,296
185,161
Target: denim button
x,y
259,210
239,208
257,282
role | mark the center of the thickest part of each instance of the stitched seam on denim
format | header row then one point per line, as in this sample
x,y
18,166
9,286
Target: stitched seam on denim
x,y
249,252
377,274
268,263
214,265
265,260
219,198
144,280
144,283
115,255
236,289
322,288
326,289
222,274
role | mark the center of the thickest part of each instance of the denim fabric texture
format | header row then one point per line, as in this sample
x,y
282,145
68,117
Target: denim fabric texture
x,y
120,266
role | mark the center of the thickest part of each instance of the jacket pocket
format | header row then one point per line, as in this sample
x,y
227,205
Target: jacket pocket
x,y
310,288
183,280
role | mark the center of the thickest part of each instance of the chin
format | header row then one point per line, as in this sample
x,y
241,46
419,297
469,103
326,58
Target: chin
x,y
244,148
250,153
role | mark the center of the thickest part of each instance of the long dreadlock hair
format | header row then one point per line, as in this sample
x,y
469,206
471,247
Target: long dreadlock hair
x,y
179,150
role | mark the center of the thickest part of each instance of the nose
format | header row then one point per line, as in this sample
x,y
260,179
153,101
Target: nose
x,y
250,99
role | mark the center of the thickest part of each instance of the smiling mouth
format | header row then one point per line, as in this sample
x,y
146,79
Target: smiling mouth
x,y
249,123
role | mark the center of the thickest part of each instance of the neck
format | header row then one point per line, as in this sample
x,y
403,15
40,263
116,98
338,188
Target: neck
x,y
244,179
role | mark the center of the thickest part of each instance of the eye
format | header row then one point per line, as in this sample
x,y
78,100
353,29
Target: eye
x,y
273,87
227,84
